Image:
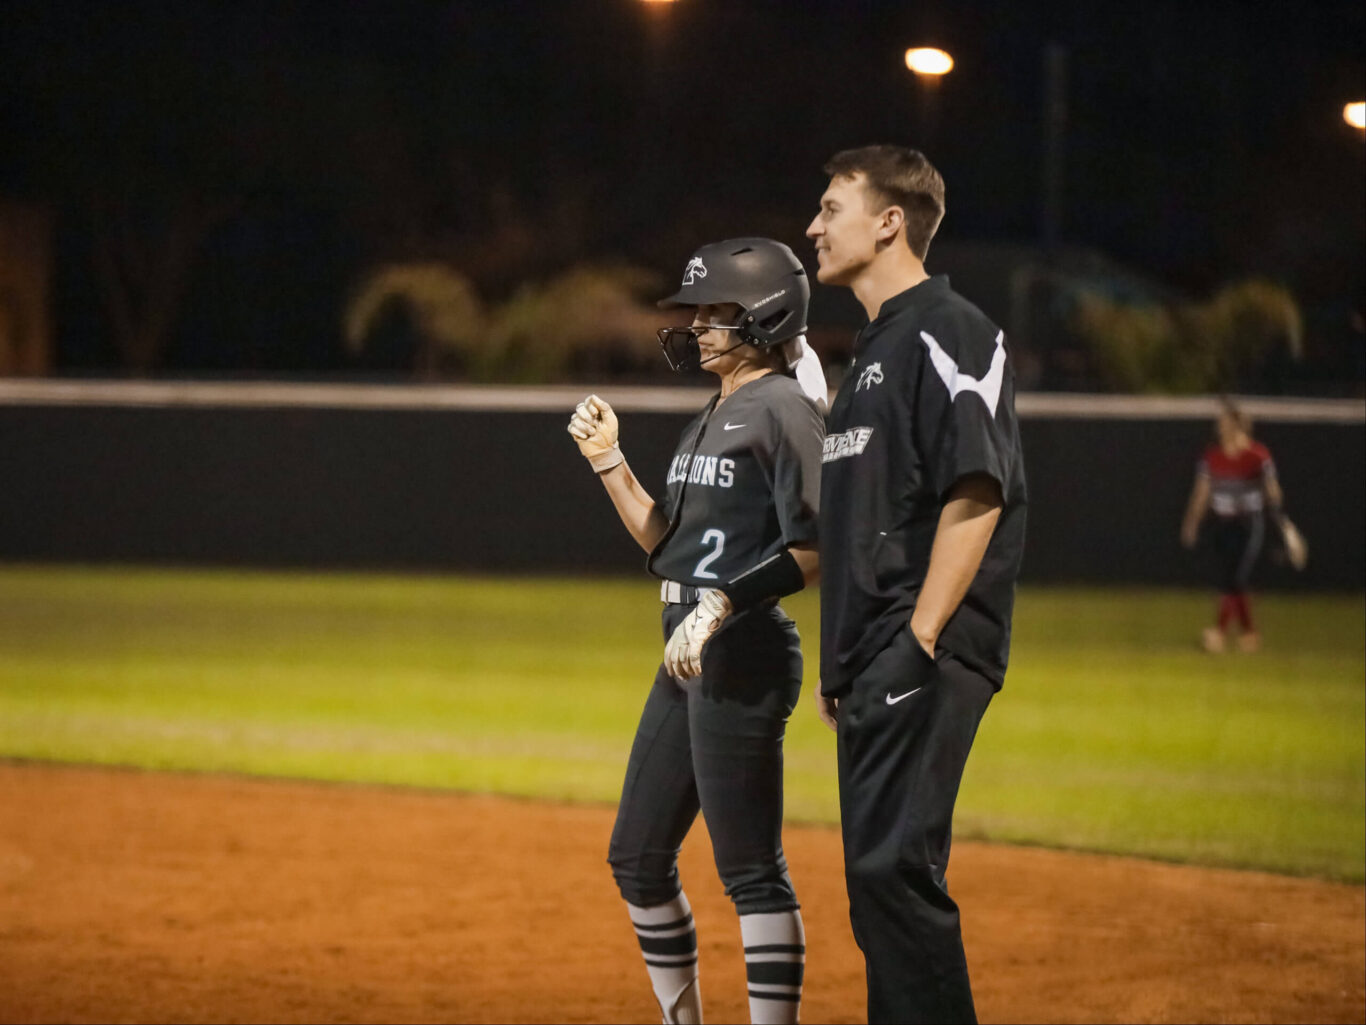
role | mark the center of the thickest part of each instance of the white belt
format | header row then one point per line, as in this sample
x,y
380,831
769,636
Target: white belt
x,y
671,592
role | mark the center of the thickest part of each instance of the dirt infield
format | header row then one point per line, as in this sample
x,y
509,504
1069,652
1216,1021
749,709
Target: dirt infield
x,y
150,897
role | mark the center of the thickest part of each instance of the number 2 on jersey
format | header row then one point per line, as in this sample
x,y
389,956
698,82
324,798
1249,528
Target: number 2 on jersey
x,y
717,537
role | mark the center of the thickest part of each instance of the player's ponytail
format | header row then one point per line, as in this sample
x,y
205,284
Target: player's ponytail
x,y
803,364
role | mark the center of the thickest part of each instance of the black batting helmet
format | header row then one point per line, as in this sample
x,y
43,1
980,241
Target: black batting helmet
x,y
762,276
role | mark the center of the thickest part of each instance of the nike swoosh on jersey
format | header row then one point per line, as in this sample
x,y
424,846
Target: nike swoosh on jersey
x,y
731,427
902,697
957,382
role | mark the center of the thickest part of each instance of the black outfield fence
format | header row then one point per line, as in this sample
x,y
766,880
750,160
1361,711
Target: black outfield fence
x,y
486,479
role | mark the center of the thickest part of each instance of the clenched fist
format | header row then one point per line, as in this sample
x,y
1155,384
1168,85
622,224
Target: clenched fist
x,y
683,653
594,427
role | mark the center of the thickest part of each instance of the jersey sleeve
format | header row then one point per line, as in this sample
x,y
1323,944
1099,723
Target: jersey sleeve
x,y
797,432
971,384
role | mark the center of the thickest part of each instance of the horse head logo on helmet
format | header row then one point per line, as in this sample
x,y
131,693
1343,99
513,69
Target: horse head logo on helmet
x,y
762,276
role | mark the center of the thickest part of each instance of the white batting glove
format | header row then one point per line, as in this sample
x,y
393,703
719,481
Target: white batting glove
x,y
683,653
594,427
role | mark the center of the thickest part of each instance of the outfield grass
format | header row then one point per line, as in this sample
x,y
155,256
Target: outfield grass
x,y
1113,733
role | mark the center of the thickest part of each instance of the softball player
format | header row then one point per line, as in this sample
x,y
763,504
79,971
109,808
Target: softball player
x,y
1236,481
734,532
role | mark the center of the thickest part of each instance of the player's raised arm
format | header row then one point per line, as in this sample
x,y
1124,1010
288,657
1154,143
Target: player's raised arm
x,y
594,428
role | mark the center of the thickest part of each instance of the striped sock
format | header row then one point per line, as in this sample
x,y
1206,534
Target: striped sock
x,y
775,958
668,942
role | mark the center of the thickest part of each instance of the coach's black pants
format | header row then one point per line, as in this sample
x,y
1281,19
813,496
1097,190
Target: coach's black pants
x,y
905,730
716,745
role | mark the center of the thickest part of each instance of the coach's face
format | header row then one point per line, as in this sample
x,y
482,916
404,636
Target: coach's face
x,y
845,231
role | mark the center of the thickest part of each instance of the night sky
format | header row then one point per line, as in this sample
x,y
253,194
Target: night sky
x,y
1203,141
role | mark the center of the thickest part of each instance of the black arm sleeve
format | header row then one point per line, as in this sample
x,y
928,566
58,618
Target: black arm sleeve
x,y
775,577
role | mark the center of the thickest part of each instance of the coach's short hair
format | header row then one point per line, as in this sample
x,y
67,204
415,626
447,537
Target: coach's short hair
x,y
898,176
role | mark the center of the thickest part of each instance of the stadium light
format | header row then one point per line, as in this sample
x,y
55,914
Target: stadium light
x,y
927,60
1355,114
930,65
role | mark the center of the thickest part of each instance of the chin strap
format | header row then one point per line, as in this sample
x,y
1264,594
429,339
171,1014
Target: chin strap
x,y
704,362
802,359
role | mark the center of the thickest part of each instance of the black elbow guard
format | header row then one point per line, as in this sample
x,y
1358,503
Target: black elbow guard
x,y
775,577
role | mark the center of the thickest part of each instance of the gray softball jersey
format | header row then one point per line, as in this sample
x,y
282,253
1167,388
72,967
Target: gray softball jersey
x,y
743,484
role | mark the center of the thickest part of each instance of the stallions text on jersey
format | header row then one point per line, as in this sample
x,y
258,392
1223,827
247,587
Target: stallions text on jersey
x,y
743,485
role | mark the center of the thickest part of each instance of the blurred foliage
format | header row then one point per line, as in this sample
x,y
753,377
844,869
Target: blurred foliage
x,y
583,318
1189,348
588,318
444,310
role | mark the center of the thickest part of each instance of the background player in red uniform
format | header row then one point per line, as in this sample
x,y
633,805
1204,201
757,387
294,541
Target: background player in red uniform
x,y
735,531
1235,482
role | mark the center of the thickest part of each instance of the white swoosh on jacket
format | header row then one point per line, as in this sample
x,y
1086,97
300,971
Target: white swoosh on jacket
x,y
988,388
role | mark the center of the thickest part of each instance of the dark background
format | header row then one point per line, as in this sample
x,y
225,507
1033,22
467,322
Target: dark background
x,y
507,492
250,161
1201,142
